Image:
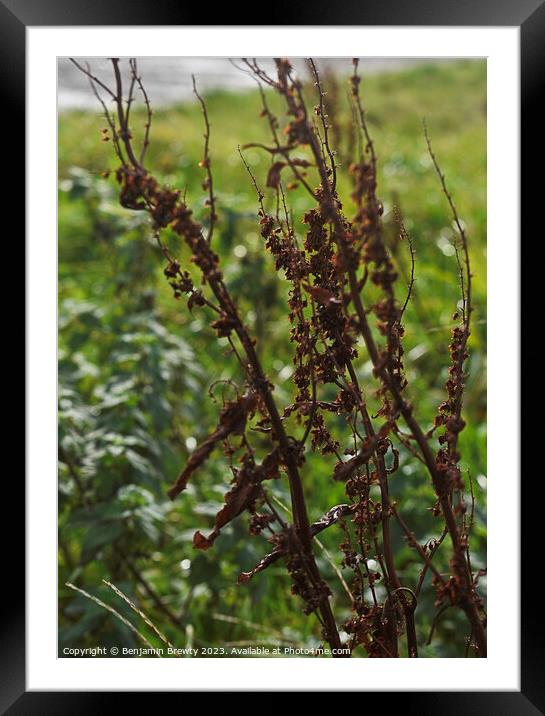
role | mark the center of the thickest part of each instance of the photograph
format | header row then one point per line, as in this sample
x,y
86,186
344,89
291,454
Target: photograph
x,y
272,364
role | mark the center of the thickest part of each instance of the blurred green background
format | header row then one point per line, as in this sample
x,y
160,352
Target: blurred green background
x,y
135,366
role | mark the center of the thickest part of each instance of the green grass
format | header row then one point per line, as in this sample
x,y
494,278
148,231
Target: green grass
x,y
122,334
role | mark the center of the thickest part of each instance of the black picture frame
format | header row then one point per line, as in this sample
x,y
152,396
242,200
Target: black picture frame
x,y
15,17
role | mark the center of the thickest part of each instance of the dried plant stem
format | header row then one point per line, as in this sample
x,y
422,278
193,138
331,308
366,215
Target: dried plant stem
x,y
148,197
138,611
331,210
328,317
116,614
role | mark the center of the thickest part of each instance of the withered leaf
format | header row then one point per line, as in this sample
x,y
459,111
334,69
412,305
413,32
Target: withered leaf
x,y
232,421
245,491
269,466
330,518
343,470
242,496
273,177
263,564
322,295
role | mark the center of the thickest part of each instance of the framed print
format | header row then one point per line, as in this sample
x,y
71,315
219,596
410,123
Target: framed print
x,y
272,354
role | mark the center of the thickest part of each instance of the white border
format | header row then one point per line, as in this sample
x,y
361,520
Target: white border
x,y
500,671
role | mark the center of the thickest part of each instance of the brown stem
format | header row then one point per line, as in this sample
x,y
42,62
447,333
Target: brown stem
x,y
124,130
193,235
459,563
300,514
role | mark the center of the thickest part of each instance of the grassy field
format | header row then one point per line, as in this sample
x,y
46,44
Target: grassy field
x,y
135,366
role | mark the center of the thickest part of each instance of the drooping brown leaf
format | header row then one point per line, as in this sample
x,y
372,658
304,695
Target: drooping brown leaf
x,y
273,177
232,422
270,465
343,470
242,496
245,491
322,295
263,564
330,518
